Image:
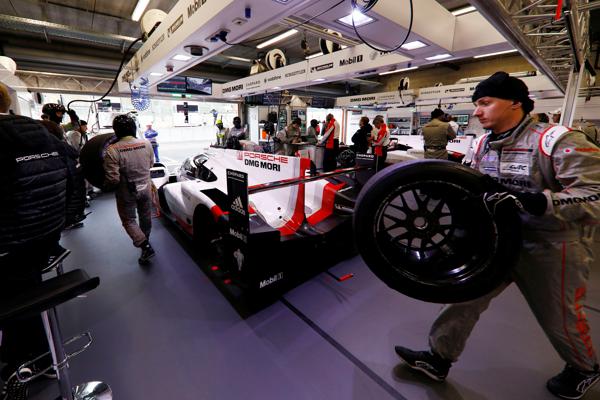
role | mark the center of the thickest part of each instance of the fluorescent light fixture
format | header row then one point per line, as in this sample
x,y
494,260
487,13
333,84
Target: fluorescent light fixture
x,y
342,46
496,53
360,19
180,57
319,54
438,57
319,80
156,74
398,70
277,88
139,9
277,38
413,45
239,59
464,10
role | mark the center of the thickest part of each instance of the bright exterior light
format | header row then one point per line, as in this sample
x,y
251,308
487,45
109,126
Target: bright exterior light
x,y
464,10
398,70
314,55
439,57
139,9
413,45
495,54
359,19
180,57
156,74
277,38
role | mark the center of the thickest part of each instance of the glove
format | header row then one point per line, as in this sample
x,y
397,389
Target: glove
x,y
500,196
73,116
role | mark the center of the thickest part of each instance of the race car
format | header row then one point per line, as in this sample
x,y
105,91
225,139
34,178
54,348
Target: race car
x,y
458,148
270,223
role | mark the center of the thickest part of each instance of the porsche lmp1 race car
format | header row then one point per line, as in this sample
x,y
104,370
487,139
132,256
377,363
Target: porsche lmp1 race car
x,y
269,223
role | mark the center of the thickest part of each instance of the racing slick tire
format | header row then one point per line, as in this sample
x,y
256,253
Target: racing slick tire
x,y
91,158
422,228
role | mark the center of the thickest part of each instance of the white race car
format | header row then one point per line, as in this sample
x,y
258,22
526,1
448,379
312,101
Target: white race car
x,y
458,148
272,223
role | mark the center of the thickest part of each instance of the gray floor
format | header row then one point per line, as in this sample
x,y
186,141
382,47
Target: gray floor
x,y
166,332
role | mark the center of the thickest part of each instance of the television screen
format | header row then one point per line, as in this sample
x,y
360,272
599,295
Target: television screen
x,y
176,84
189,108
199,86
272,99
322,102
462,119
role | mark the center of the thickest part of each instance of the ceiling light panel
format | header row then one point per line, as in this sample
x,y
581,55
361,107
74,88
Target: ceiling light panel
x,y
139,9
359,19
439,57
464,10
277,38
413,45
398,70
181,57
496,53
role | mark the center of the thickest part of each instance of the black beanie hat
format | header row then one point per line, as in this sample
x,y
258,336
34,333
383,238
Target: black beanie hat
x,y
504,86
437,113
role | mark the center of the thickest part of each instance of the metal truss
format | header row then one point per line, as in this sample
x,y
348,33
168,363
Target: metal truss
x,y
51,82
555,46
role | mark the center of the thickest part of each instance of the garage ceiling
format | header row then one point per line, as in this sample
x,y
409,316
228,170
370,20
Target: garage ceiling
x,y
87,37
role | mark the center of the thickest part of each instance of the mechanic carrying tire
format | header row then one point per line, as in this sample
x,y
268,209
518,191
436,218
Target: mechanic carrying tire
x,y
551,179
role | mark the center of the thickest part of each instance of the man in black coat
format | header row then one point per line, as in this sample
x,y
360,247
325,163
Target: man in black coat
x,y
33,196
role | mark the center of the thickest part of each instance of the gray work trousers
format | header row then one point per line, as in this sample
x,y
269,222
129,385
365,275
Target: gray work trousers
x,y
552,276
128,203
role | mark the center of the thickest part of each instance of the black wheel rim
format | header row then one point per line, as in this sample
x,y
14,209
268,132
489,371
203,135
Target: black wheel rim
x,y
430,232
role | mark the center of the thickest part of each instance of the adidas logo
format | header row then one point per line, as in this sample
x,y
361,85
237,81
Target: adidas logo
x,y
238,206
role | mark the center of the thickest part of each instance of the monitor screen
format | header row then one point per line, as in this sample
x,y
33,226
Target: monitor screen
x,y
188,108
199,86
462,119
177,84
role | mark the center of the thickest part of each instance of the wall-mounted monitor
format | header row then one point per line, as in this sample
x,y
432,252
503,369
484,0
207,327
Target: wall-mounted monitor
x,y
462,119
199,86
188,108
177,84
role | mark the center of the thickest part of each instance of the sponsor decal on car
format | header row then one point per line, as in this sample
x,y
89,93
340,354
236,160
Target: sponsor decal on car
x,y
271,280
238,206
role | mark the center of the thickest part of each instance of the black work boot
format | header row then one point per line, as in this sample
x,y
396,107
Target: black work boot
x,y
147,253
427,362
572,383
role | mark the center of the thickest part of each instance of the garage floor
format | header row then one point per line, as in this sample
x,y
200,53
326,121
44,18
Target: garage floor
x,y
166,332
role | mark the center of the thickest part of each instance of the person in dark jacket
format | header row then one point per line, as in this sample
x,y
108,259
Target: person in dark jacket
x,y
32,214
361,137
77,198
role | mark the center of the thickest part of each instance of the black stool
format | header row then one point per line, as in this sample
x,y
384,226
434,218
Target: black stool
x,y
42,299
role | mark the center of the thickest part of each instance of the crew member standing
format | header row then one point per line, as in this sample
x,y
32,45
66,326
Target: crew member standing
x,y
381,140
222,133
77,138
331,141
556,191
436,134
151,135
127,166
239,131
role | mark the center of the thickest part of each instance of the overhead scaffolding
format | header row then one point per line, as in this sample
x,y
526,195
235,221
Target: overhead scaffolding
x,y
555,41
